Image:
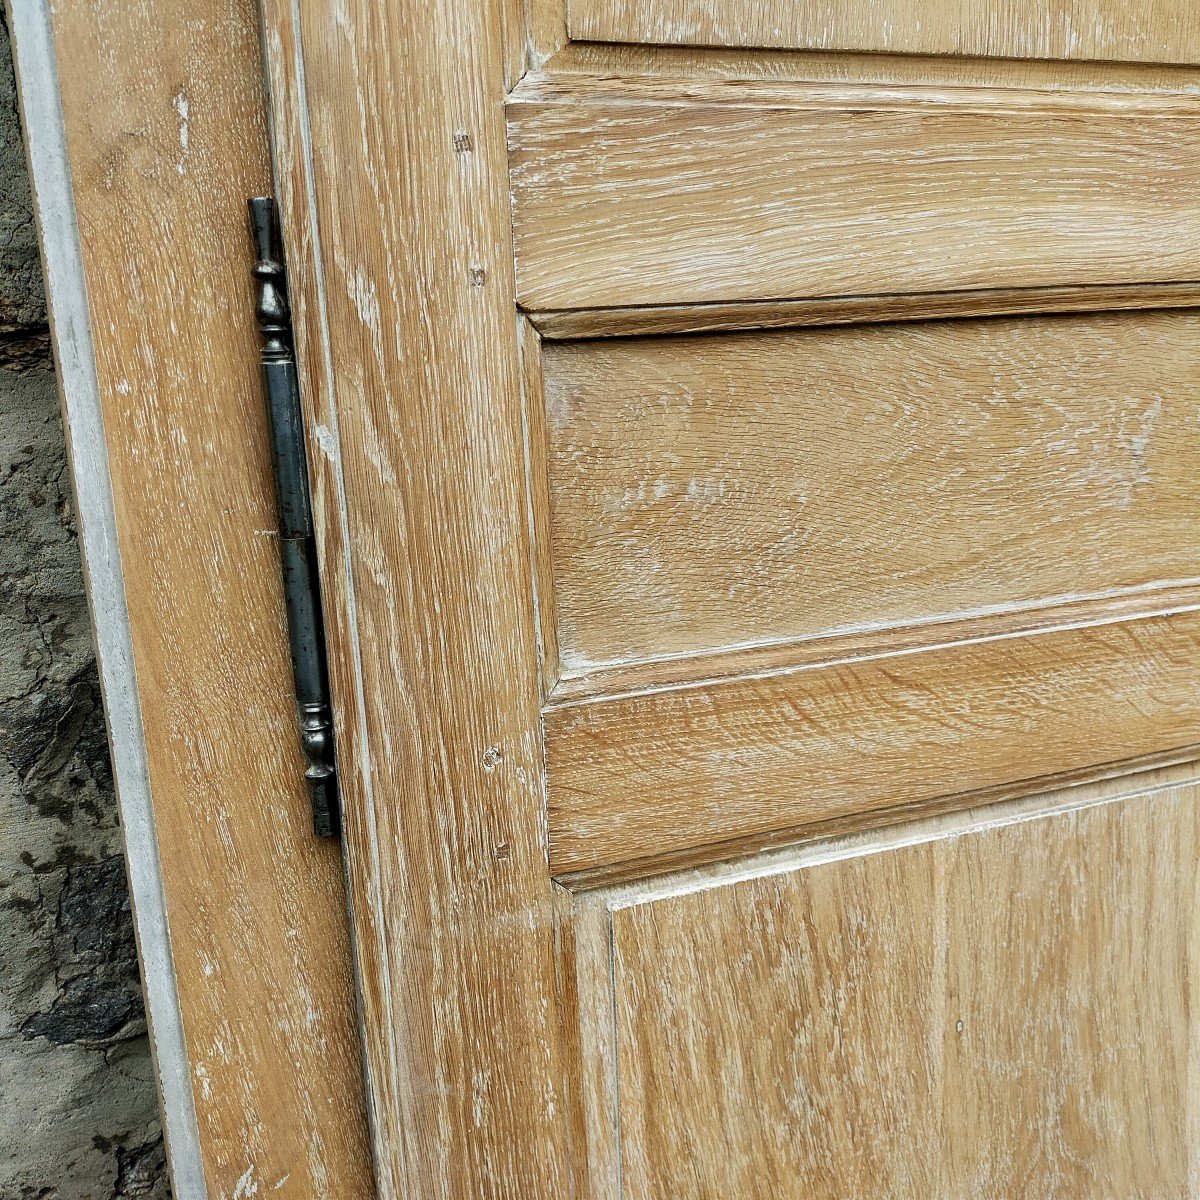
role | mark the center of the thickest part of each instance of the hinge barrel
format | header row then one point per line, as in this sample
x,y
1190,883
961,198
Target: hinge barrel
x,y
301,590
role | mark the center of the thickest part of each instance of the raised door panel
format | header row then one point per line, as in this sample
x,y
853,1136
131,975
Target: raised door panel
x,y
962,1011
1136,31
806,576
714,492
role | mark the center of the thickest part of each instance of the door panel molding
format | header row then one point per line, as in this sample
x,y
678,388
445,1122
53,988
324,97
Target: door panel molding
x,y
682,768
641,192
558,59
623,680
657,320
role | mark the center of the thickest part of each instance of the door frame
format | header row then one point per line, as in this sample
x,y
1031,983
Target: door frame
x,y
239,911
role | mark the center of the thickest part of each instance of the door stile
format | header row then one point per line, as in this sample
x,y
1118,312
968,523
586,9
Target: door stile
x,y
390,156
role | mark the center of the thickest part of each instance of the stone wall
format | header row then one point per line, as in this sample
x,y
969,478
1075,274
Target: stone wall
x,y
78,1112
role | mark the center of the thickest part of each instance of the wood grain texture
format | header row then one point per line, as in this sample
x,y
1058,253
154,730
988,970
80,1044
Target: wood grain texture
x,y
710,492
998,1005
651,192
166,133
645,775
1115,30
390,145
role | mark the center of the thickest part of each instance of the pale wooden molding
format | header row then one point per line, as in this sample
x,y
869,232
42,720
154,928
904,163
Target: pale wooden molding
x,y
145,148
83,420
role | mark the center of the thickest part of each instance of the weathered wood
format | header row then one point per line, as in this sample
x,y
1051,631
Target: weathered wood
x,y
165,135
647,192
623,678
641,776
692,186
984,1005
1134,31
541,518
628,61
390,149
729,490
569,324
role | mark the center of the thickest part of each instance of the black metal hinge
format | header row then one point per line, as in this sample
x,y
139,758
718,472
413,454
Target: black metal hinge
x,y
297,545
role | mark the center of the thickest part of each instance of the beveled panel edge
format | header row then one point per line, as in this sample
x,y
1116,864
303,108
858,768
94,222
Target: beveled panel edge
x,y
686,771
636,881
554,55
787,80
537,498
671,319
707,27
729,665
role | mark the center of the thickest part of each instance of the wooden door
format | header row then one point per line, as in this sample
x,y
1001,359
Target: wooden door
x,y
754,452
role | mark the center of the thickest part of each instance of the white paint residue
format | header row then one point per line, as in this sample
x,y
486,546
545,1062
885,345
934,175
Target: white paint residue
x,y
310,1009
180,104
1138,438
281,1182
123,387
325,440
366,303
247,1185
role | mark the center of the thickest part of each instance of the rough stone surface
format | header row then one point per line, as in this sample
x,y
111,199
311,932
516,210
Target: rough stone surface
x,y
78,1113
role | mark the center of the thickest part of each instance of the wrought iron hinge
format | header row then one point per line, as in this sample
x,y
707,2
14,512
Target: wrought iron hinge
x,y
297,546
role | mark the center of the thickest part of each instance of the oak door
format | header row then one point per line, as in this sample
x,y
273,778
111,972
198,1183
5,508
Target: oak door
x,y
754,449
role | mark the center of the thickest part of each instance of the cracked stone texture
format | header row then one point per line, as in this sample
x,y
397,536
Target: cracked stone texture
x,y
78,1112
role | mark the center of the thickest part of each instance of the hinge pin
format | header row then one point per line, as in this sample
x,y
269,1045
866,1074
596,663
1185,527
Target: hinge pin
x,y
297,544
